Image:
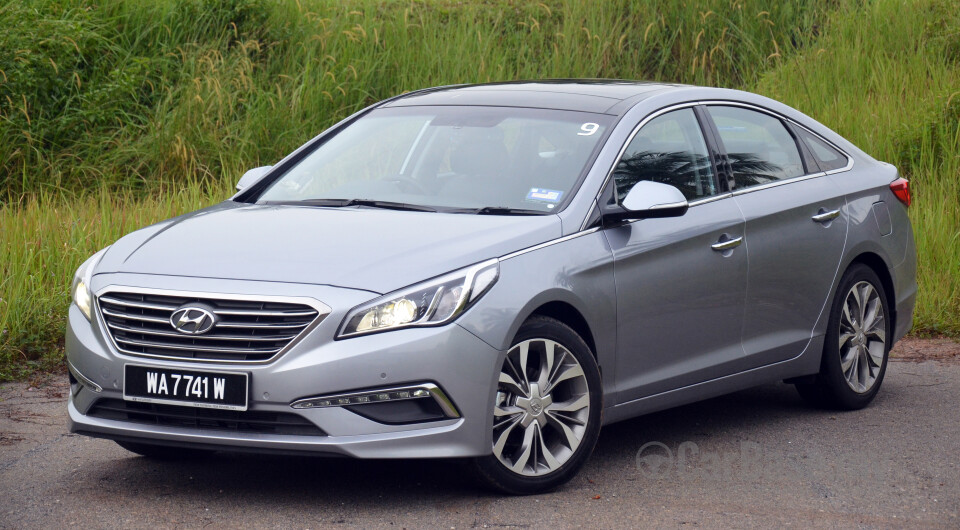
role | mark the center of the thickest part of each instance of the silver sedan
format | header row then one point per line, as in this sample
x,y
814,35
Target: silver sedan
x,y
492,272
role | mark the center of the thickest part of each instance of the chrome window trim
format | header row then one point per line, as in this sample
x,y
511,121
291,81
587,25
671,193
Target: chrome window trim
x,y
768,185
734,193
848,167
730,103
712,198
323,310
623,149
593,206
774,184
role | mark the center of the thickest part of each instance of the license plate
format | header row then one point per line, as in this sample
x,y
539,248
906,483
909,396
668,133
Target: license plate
x,y
213,390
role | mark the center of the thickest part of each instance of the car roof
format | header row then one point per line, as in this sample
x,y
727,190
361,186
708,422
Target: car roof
x,y
590,95
603,96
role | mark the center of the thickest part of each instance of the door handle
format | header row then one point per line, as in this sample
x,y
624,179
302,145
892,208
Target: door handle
x,y
727,244
825,216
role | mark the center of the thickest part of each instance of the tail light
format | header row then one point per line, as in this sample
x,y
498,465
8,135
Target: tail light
x,y
901,188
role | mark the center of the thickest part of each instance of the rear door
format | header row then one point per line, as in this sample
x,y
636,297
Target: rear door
x,y
795,230
679,299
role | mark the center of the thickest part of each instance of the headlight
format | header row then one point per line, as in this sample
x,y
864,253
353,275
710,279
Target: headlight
x,y
431,303
80,289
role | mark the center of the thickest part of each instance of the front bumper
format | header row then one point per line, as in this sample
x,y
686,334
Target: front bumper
x,y
464,366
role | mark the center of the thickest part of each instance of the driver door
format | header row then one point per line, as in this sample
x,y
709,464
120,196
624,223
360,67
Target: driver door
x,y
681,281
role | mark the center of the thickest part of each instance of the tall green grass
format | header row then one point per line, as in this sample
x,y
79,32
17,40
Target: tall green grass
x,y
886,76
130,94
44,239
114,115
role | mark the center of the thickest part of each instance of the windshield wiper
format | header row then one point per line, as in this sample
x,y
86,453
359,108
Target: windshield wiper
x,y
389,205
505,210
341,203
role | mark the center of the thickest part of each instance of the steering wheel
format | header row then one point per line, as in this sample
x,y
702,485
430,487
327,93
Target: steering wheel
x,y
405,184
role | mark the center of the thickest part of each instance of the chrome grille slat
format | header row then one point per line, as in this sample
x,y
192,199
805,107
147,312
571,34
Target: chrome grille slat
x,y
143,318
192,347
247,330
174,334
142,305
259,325
264,313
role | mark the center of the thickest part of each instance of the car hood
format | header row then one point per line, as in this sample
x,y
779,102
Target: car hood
x,y
360,248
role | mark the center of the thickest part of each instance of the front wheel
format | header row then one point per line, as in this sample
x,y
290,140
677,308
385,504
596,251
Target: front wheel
x,y
857,344
547,411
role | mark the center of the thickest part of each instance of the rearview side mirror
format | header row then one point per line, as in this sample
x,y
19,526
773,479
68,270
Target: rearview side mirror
x,y
648,199
252,176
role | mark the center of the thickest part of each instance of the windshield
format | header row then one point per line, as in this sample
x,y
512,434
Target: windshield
x,y
482,159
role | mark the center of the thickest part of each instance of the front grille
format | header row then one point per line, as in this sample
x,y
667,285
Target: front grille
x,y
249,421
246,330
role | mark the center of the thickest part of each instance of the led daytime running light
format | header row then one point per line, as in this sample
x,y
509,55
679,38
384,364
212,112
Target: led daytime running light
x,y
421,391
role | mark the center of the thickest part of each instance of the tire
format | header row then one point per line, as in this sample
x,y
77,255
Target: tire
x,y
856,346
163,452
546,423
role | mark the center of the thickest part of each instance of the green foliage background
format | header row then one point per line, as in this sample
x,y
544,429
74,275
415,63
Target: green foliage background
x,y
116,114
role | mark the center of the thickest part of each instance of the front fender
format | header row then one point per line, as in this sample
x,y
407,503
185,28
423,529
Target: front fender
x,y
577,271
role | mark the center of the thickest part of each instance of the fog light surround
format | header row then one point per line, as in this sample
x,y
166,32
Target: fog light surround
x,y
82,379
383,395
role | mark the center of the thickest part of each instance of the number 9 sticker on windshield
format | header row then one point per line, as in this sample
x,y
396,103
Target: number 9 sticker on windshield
x,y
544,195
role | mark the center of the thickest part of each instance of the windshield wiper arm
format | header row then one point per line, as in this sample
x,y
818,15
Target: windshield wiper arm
x,y
389,205
341,203
505,210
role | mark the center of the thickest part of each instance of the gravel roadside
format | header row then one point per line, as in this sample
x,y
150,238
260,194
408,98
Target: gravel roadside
x,y
755,458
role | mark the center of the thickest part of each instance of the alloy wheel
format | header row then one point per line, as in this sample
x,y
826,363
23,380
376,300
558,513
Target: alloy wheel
x,y
542,408
862,337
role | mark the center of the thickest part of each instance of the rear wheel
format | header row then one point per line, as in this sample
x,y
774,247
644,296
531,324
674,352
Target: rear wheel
x,y
856,345
163,452
546,415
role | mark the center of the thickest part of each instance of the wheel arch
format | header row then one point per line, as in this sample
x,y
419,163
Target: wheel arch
x,y
876,263
569,315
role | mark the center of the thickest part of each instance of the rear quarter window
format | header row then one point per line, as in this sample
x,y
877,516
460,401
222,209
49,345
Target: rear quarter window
x,y
827,157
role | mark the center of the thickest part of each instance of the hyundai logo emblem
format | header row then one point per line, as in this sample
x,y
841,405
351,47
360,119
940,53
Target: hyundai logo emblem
x,y
193,320
536,407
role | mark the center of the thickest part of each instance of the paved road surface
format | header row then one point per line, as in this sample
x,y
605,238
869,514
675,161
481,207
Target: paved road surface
x,y
755,458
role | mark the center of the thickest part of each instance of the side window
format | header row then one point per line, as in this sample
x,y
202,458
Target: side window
x,y
759,147
669,149
827,157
